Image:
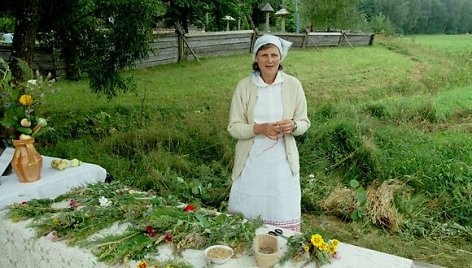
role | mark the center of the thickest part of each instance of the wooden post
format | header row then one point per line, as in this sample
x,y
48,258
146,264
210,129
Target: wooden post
x,y
313,42
180,31
283,23
191,51
180,42
371,41
345,37
253,40
180,50
267,22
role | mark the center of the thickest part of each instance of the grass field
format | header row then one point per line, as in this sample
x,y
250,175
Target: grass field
x,y
398,112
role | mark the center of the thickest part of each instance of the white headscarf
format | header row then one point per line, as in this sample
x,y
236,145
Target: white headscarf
x,y
282,44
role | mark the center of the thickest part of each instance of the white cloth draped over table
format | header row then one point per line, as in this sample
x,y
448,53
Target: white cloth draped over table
x,y
53,182
19,248
267,186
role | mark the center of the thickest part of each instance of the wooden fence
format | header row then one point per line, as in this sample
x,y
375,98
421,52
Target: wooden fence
x,y
172,47
45,59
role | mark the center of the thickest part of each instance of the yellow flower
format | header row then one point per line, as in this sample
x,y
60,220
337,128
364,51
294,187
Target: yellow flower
x,y
142,264
55,221
332,249
316,240
26,100
324,246
335,243
306,248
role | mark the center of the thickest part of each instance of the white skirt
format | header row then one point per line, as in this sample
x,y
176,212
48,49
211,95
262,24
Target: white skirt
x,y
267,186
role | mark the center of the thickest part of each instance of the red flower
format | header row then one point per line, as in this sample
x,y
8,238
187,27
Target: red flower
x,y
24,203
150,231
73,203
189,208
168,237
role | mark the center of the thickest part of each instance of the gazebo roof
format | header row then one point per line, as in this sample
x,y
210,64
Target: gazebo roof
x,y
267,8
227,17
282,12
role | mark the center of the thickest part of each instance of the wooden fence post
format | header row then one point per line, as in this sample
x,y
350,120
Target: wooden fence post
x,y
371,41
180,42
253,40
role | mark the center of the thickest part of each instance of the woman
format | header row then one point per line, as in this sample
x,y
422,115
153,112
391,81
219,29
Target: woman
x,y
268,108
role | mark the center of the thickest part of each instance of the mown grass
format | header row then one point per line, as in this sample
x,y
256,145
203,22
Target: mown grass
x,y
444,43
399,110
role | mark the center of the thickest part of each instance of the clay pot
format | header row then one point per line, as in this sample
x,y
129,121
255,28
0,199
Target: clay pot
x,y
27,162
267,250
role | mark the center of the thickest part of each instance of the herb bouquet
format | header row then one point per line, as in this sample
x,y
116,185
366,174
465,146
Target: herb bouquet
x,y
310,247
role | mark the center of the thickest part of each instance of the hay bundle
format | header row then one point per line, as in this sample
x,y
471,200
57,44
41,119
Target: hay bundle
x,y
380,204
341,202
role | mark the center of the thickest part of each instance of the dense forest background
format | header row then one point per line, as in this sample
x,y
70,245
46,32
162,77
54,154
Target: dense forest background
x,y
388,16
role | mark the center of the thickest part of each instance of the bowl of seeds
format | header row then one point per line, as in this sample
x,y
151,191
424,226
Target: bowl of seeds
x,y
218,254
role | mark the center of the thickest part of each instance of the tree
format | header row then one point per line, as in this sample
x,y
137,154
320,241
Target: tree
x,y
27,17
193,12
186,12
329,14
99,37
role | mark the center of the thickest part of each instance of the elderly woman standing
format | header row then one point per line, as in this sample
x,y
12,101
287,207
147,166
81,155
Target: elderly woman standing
x,y
267,110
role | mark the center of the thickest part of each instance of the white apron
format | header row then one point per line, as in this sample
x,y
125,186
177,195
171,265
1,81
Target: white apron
x,y
267,187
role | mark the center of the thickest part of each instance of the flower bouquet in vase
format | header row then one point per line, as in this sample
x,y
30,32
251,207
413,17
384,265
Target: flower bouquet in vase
x,y
20,101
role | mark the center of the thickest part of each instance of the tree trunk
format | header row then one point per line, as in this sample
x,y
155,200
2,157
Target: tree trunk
x,y
251,22
70,54
27,18
71,58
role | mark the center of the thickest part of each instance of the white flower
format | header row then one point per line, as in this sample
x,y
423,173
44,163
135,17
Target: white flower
x,y
32,82
311,176
104,202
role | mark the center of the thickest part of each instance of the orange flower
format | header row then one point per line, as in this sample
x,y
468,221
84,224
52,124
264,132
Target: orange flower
x,y
142,264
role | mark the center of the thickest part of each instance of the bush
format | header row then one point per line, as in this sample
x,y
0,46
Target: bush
x,y
382,24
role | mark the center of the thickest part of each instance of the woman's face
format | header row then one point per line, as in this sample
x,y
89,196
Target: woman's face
x,y
268,60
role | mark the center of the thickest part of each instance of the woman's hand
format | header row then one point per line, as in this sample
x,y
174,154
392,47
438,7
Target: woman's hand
x,y
286,126
270,130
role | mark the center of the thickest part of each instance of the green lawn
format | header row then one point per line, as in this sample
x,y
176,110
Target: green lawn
x,y
448,43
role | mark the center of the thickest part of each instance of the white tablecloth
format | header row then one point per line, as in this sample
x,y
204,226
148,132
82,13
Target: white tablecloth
x,y
52,183
19,247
